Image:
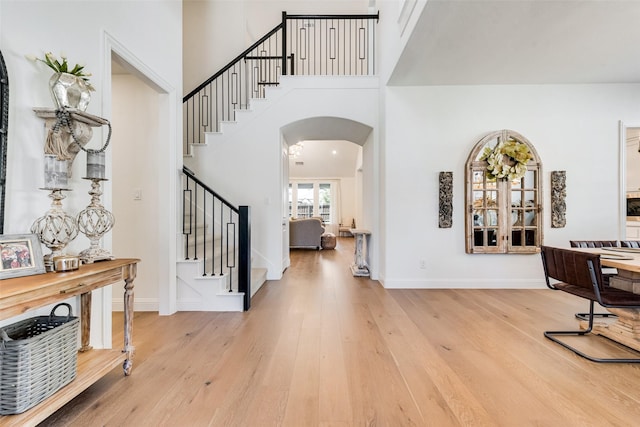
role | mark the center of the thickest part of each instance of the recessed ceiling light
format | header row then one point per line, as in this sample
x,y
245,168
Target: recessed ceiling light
x,y
334,152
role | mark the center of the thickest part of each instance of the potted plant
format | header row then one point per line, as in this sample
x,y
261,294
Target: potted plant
x,y
70,87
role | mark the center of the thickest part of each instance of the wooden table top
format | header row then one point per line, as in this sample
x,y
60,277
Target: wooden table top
x,y
621,258
20,294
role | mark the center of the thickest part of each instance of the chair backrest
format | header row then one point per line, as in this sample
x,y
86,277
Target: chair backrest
x,y
630,244
593,243
571,267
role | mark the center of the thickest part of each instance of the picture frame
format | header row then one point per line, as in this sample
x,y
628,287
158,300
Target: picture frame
x,y
20,255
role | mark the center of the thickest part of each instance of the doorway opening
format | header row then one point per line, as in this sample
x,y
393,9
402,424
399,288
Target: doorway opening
x,y
144,185
324,182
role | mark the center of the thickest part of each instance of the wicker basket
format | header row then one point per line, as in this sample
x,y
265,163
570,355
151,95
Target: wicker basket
x,y
40,358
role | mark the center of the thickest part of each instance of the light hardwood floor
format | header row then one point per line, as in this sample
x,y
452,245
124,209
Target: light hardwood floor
x,y
322,348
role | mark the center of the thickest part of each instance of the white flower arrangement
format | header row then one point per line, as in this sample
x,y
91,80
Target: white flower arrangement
x,y
507,160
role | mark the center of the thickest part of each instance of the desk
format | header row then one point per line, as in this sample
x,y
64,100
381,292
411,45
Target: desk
x,y
626,328
21,294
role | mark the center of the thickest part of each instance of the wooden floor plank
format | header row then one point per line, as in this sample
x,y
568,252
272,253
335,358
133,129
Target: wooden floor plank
x,y
322,348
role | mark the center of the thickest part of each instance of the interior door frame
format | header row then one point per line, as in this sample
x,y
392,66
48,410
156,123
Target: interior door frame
x,y
622,178
284,158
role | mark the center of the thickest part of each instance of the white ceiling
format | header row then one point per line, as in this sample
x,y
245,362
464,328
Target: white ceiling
x,y
325,159
460,42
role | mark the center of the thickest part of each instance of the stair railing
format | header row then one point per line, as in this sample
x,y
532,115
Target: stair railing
x,y
218,233
299,45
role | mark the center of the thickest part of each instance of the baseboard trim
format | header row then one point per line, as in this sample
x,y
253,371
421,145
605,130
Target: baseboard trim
x,y
139,304
464,284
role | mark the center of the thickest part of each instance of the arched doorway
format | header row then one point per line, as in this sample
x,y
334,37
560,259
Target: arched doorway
x,y
321,139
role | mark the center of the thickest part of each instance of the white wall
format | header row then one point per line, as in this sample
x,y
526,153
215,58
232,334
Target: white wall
x,y
207,24
432,129
150,30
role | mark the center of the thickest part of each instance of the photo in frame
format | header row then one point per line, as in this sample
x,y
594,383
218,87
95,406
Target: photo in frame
x,y
20,255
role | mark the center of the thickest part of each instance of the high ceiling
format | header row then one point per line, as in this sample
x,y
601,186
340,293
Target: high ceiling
x,y
462,42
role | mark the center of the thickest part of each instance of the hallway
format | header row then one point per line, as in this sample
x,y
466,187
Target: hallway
x,y
321,347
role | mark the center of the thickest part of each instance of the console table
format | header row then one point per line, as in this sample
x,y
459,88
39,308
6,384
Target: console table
x,y
21,294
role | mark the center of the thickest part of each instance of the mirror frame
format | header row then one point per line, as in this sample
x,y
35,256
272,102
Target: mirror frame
x,y
4,135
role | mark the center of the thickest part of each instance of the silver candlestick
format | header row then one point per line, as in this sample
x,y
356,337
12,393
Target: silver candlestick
x,y
94,222
56,228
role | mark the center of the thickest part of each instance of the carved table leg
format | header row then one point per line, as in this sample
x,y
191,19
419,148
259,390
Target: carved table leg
x,y
625,329
85,321
128,320
359,258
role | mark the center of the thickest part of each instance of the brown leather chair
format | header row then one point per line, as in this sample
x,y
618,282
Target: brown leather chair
x,y
605,276
630,244
580,274
593,243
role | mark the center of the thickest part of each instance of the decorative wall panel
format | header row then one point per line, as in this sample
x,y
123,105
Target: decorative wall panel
x,y
558,196
446,200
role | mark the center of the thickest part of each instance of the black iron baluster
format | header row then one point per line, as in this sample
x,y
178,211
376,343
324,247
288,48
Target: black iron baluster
x,y
221,239
204,233
231,264
213,236
184,216
195,224
205,107
283,25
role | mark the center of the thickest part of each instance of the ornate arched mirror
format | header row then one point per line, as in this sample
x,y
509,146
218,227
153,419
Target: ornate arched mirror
x,y
4,125
504,195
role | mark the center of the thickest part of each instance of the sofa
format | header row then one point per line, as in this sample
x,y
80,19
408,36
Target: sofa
x,y
305,233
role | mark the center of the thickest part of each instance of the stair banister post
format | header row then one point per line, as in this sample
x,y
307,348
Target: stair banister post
x,y
284,43
244,254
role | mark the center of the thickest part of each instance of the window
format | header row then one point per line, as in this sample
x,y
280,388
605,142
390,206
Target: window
x,y
324,202
503,206
305,201
309,199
